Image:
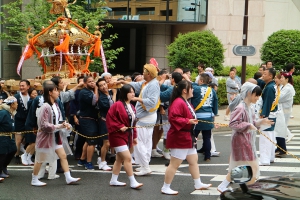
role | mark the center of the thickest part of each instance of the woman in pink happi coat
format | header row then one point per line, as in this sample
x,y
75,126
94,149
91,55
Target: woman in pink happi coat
x,y
244,127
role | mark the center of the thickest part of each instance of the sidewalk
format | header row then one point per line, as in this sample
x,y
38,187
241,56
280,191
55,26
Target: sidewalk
x,y
293,123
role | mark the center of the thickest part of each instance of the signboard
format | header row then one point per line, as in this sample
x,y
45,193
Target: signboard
x,y
244,50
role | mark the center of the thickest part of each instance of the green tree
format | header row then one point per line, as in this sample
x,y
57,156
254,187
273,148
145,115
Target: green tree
x,y
35,15
282,47
198,46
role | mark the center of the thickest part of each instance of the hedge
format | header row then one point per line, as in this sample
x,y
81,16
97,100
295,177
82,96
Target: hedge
x,y
222,95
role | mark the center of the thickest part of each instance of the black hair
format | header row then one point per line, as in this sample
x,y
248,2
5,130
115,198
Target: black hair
x,y
257,75
85,79
99,80
212,85
124,91
79,78
179,87
272,71
134,75
289,67
185,70
119,79
205,78
56,80
269,61
26,81
177,77
233,68
48,88
202,65
31,89
263,67
161,72
257,90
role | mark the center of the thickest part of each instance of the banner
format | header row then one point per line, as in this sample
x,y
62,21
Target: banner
x,y
22,59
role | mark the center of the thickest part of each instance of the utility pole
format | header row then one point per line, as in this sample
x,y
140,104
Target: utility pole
x,y
167,10
245,37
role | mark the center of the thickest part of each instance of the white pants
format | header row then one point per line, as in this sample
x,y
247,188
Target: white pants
x,y
142,151
51,171
212,141
266,148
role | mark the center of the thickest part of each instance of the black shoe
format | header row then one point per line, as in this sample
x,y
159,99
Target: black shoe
x,y
5,171
280,155
18,159
200,151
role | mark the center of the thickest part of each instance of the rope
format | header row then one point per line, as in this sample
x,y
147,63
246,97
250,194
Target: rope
x,y
149,126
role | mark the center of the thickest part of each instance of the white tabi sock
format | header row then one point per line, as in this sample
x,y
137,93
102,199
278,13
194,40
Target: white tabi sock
x,y
114,178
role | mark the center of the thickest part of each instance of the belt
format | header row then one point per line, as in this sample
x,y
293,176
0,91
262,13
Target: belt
x,y
88,118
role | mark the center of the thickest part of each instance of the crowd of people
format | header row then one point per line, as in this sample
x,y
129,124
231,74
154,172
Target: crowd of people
x,y
106,120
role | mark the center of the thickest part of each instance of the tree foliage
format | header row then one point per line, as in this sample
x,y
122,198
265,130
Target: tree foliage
x,y
282,47
35,15
198,46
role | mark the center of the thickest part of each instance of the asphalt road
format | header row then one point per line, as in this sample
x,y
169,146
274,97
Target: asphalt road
x,y
95,184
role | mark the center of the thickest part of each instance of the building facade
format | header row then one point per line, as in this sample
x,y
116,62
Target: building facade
x,y
145,28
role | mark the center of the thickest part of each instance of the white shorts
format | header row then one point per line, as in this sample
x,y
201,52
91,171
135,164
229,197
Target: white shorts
x,y
182,153
58,146
121,148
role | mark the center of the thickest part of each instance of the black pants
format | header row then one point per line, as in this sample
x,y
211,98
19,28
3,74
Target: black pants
x,y
281,143
5,160
206,146
79,144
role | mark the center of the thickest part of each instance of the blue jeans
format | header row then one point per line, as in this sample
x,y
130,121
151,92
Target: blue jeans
x,y
206,146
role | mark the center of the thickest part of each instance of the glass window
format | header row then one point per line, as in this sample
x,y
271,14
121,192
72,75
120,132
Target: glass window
x,y
181,11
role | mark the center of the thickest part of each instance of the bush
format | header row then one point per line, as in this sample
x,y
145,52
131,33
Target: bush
x,y
222,95
250,71
191,48
282,47
297,89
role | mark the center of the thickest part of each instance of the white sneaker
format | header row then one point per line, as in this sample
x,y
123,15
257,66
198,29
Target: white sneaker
x,y
155,154
226,118
289,138
168,191
103,166
55,177
24,159
98,160
117,183
167,155
203,186
215,154
144,171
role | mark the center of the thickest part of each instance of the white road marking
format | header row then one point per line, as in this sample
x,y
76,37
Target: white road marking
x,y
295,131
278,169
293,142
292,147
222,177
210,191
296,153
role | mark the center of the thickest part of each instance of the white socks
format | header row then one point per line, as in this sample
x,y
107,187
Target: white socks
x,y
114,181
167,190
35,181
199,185
133,183
223,186
70,179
